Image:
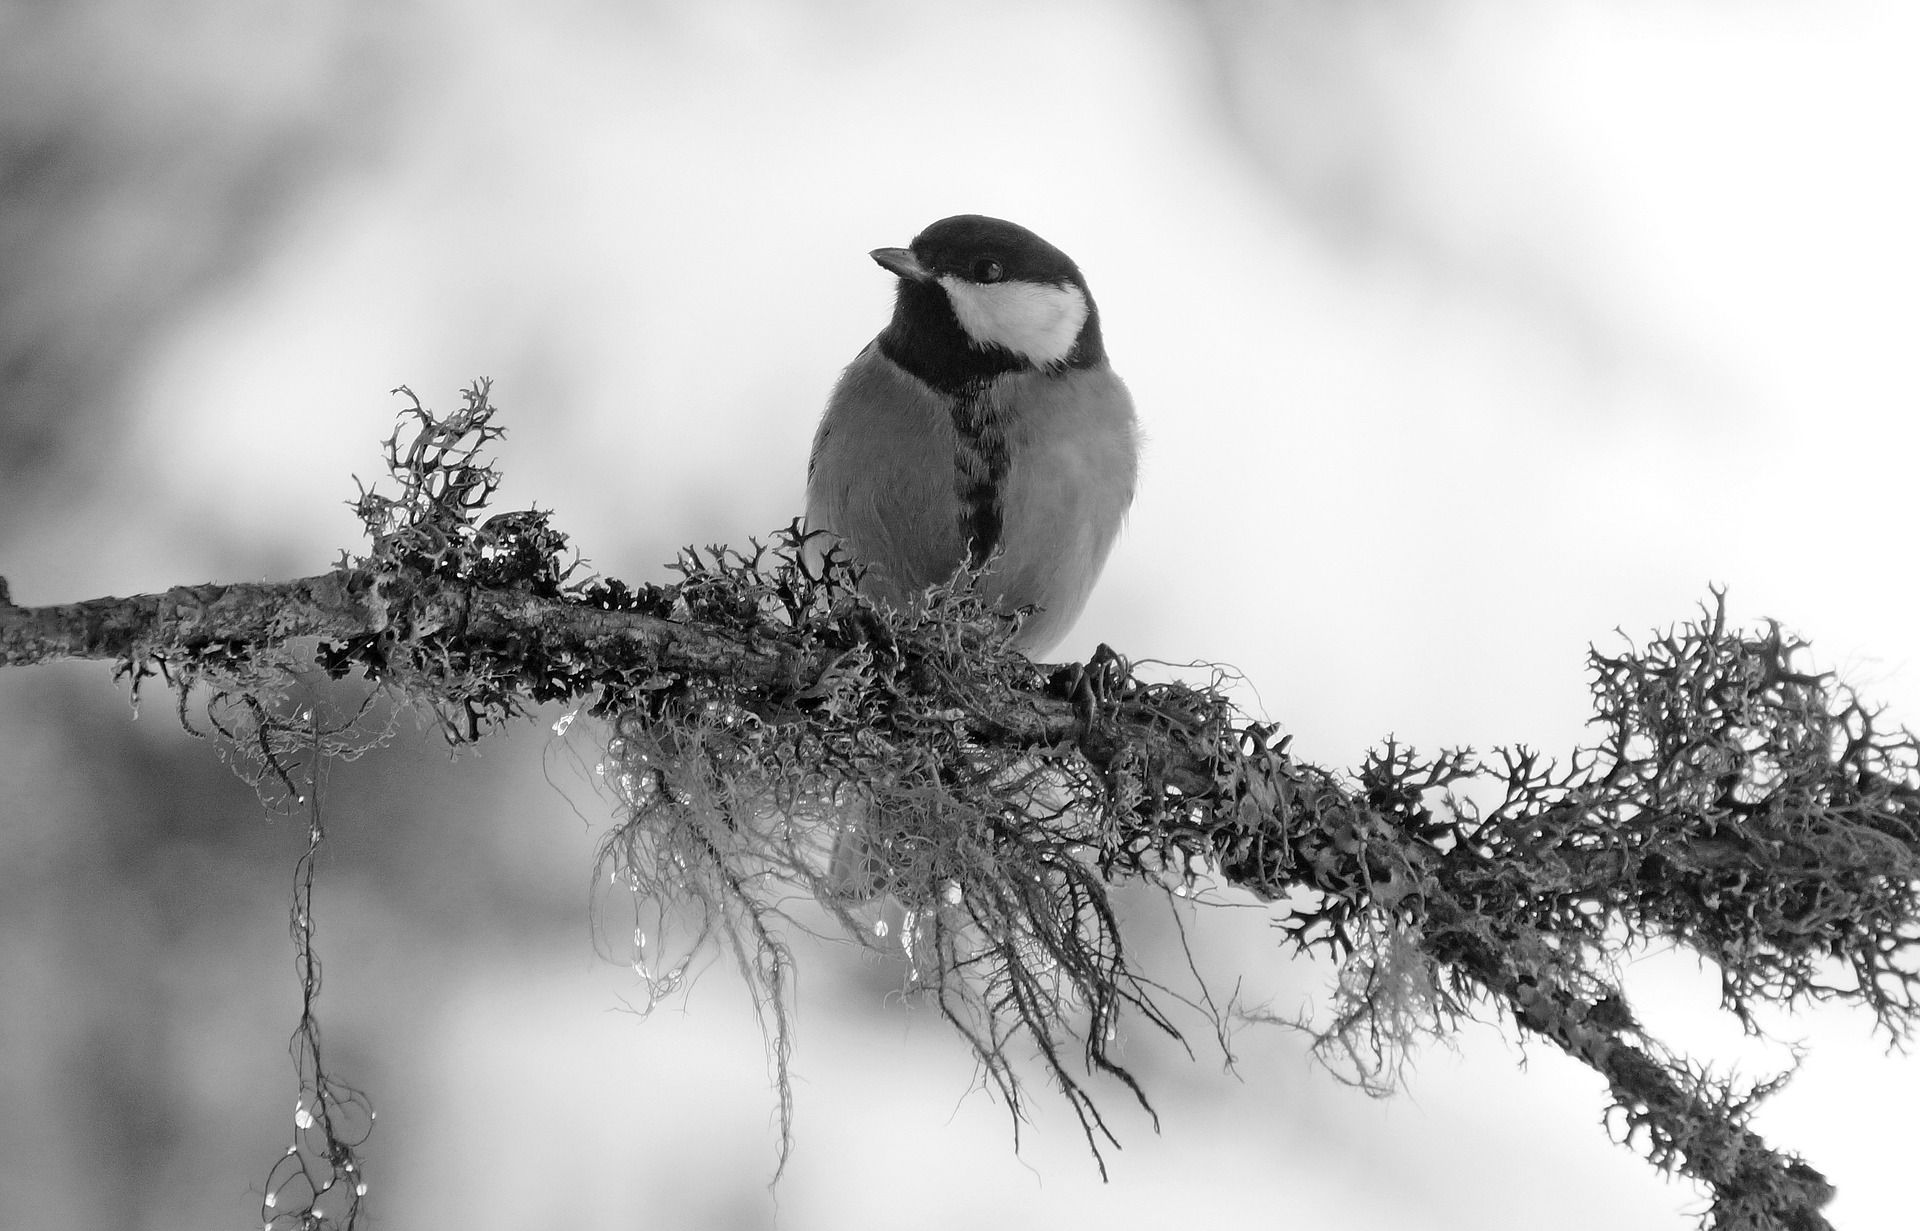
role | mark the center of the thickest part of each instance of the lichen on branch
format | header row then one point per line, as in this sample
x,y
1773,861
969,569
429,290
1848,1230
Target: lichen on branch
x,y
773,738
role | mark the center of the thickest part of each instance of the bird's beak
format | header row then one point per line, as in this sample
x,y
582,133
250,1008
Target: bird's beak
x,y
902,261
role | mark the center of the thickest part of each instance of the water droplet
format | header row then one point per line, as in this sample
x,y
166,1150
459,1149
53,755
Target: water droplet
x,y
879,927
302,1118
1179,891
561,724
272,1200
360,1189
952,893
639,939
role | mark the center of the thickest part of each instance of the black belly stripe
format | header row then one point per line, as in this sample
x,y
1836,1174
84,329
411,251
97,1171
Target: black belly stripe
x,y
980,463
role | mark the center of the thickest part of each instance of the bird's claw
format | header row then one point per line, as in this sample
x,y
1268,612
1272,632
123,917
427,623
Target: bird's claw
x,y
1098,682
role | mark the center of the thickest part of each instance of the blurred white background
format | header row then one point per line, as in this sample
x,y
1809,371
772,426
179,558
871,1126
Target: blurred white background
x,y
1464,332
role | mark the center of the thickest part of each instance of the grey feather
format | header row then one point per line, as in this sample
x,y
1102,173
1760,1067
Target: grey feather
x,y
890,475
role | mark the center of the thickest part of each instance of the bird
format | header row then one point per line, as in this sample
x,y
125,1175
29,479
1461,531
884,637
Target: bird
x,y
983,427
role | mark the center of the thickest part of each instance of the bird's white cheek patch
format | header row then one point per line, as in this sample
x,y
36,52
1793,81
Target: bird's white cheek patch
x,y
1036,320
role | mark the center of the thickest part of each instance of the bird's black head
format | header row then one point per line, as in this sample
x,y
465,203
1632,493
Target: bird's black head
x,y
979,296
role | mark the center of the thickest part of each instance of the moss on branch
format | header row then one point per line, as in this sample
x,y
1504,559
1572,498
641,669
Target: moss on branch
x,y
771,730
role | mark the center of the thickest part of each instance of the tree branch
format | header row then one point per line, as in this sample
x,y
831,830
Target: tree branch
x,y
1737,804
353,604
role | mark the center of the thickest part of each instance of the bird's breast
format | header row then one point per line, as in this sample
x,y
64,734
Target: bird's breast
x,y
1036,467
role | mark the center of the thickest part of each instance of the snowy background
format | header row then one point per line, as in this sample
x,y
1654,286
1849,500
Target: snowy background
x,y
1464,332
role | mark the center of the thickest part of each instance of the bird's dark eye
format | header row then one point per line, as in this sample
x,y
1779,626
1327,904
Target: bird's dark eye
x,y
986,269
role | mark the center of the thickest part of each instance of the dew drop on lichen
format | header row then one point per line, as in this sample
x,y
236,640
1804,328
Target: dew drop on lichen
x,y
302,1118
879,927
272,1200
360,1189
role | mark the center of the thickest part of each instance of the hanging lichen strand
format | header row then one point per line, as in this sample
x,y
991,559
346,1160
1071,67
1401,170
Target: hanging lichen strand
x,y
774,740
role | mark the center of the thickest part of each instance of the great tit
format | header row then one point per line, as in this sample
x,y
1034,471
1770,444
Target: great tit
x,y
983,426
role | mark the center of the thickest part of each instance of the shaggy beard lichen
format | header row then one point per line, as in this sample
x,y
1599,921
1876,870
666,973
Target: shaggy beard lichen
x,y
985,871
